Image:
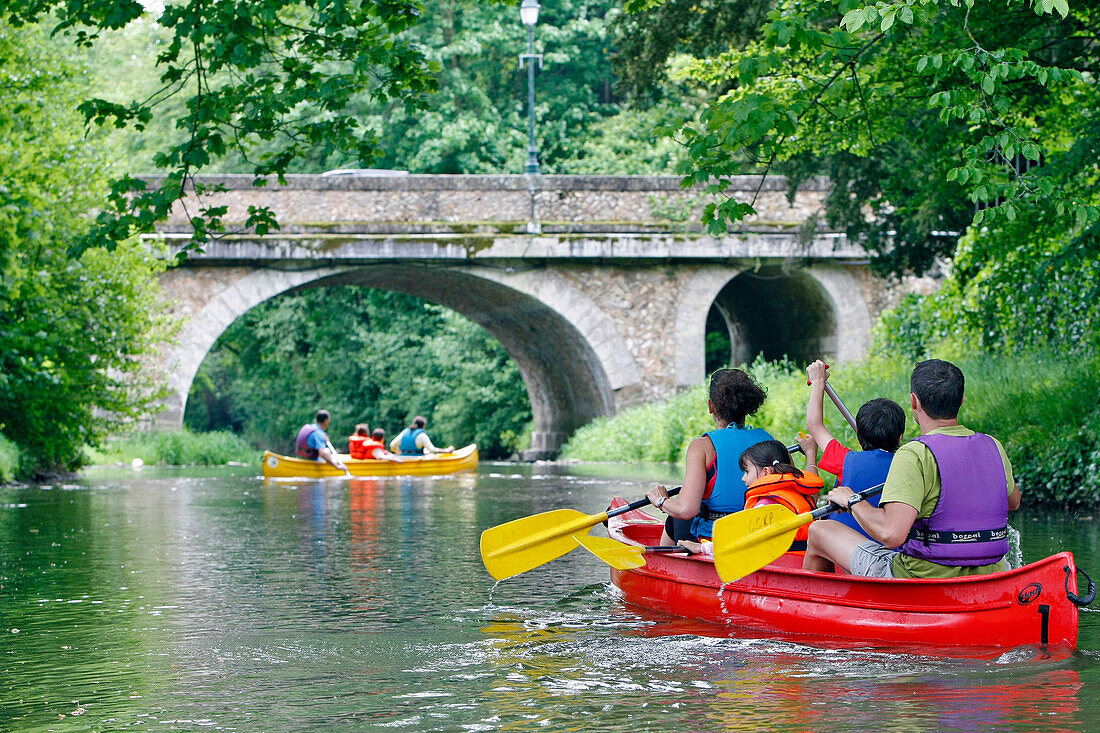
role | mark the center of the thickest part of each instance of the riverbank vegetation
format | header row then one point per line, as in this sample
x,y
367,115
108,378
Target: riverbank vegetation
x,y
75,330
174,448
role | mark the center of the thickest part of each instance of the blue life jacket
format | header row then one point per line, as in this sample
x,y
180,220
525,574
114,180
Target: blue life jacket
x,y
727,494
408,442
862,470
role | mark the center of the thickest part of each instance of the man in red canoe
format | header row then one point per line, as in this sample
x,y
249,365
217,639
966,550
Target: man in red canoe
x,y
944,509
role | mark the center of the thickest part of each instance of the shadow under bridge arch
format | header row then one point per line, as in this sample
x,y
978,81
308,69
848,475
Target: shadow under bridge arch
x,y
568,353
776,314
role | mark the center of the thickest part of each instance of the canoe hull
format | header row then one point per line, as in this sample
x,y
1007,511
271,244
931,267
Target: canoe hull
x,y
971,617
463,459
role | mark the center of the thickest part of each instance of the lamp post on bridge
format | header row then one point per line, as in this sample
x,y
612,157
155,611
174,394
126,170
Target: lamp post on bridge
x,y
529,15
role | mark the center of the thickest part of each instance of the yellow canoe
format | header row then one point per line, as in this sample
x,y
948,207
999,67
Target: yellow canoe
x,y
438,464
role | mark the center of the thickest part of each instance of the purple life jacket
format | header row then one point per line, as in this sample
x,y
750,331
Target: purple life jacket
x,y
969,525
301,444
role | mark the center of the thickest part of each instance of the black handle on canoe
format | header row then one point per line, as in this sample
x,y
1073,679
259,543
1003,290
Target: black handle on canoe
x,y
639,504
1090,594
831,507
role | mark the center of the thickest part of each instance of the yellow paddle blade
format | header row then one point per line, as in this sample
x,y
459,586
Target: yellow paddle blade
x,y
613,552
522,544
747,541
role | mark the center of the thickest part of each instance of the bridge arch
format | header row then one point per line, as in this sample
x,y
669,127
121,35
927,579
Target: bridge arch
x,y
802,313
572,361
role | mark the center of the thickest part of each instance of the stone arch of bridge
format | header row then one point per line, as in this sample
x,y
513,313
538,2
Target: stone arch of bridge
x,y
573,363
803,314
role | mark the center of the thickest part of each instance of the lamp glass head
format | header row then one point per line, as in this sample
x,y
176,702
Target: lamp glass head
x,y
529,12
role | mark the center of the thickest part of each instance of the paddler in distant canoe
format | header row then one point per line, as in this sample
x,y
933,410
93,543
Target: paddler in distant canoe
x,y
413,441
944,508
313,444
713,485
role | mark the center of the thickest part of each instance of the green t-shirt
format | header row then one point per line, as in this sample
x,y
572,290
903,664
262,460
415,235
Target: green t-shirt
x,y
914,479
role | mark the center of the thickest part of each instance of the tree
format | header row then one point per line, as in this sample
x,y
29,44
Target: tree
x,y
278,71
73,332
929,117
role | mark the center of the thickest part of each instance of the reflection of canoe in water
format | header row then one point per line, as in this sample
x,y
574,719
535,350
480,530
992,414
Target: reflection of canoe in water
x,y
979,616
463,459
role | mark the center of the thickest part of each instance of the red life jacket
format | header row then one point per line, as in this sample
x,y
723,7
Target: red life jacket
x,y
357,446
797,494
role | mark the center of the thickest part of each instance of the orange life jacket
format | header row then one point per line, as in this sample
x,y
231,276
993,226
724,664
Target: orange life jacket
x,y
370,445
357,446
797,494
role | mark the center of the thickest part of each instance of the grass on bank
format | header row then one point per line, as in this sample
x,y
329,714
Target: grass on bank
x,y
1045,409
9,460
176,448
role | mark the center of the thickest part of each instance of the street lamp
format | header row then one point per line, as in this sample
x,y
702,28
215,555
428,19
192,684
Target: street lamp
x,y
529,15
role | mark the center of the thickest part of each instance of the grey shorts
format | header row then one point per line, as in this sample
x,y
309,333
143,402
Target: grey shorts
x,y
872,560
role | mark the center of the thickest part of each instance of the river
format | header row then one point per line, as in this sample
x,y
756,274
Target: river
x,y
187,599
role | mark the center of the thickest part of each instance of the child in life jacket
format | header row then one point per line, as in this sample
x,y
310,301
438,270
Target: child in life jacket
x,y
773,479
357,444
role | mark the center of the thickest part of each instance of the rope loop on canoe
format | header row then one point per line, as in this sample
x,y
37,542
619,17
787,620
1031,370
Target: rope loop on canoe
x,y
1090,594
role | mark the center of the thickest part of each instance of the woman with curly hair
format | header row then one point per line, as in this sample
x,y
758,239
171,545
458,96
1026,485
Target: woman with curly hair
x,y
713,485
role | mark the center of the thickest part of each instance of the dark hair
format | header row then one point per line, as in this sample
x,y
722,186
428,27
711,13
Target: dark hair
x,y
362,429
321,416
419,422
939,386
378,434
879,424
735,395
769,454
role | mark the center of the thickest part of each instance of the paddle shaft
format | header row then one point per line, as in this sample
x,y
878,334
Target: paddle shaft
x,y
831,507
637,504
840,406
839,403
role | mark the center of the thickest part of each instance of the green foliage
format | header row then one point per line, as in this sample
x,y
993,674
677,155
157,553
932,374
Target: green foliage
x,y
1044,407
73,332
9,460
476,120
366,356
926,116
175,448
278,71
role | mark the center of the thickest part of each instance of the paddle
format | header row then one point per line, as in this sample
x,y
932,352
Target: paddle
x,y
332,449
839,404
522,544
619,555
748,540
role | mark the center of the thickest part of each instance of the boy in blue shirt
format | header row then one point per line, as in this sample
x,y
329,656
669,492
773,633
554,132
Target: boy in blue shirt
x,y
879,426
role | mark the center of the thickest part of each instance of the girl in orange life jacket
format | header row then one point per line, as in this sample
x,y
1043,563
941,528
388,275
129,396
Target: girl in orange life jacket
x,y
772,479
357,447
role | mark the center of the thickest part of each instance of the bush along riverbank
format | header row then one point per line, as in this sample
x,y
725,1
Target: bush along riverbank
x,y
1045,408
175,448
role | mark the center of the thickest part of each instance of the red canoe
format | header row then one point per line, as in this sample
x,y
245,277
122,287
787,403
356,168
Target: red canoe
x,y
981,616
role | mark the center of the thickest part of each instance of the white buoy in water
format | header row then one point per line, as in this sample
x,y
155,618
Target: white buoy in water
x,y
137,463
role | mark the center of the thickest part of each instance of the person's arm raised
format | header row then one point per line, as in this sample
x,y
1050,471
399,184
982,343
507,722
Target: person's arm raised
x,y
817,374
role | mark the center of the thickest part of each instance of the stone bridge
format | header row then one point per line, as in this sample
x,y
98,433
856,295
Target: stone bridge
x,y
599,287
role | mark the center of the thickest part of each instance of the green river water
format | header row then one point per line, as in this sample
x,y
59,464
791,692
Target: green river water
x,y
209,599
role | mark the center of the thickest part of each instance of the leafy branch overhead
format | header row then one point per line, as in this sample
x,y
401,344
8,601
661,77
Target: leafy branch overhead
x,y
280,72
929,115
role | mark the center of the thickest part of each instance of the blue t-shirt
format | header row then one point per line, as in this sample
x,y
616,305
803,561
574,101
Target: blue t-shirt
x,y
317,440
